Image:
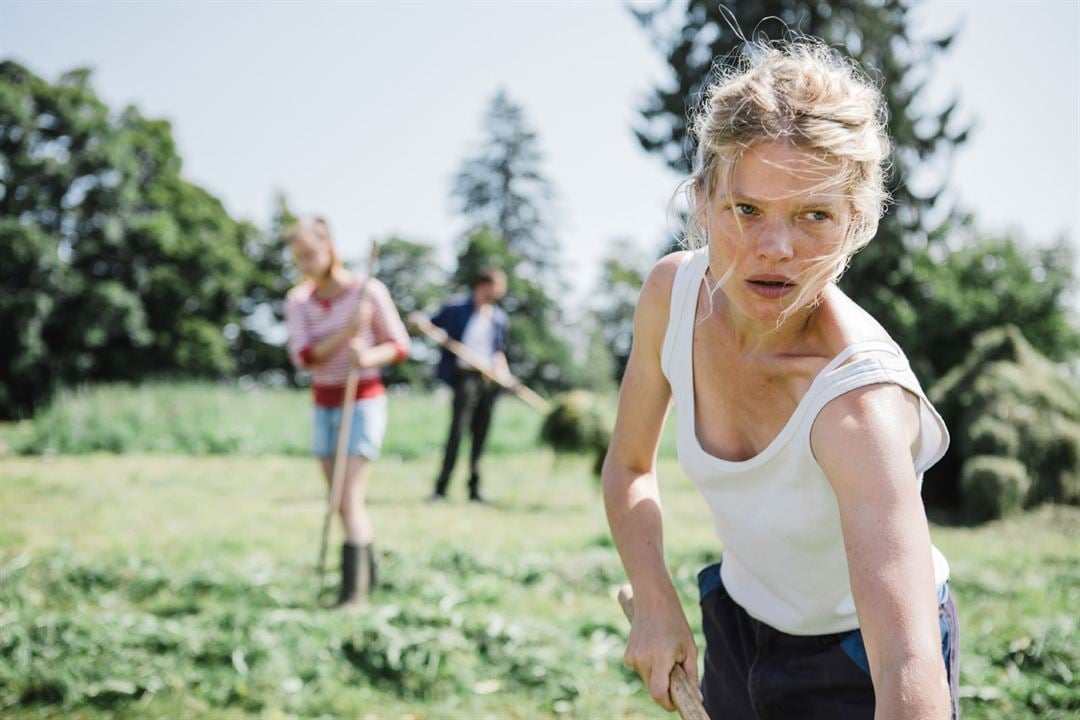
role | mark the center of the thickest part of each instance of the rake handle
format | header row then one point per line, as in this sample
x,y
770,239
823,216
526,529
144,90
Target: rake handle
x,y
341,456
683,692
439,336
337,482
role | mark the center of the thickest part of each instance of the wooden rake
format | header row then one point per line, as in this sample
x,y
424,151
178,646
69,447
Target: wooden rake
x,y
341,456
439,336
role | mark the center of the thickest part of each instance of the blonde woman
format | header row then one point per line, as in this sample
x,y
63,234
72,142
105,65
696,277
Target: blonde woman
x,y
797,417
332,327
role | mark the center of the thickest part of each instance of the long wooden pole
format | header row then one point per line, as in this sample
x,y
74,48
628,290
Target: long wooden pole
x,y
341,457
439,336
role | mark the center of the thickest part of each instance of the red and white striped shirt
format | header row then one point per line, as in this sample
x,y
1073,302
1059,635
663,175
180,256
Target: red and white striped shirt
x,y
311,319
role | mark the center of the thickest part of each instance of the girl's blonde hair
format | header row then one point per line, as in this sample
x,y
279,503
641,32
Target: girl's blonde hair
x,y
803,93
318,227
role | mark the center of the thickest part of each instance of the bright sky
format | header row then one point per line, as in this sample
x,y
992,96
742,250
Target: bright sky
x,y
362,112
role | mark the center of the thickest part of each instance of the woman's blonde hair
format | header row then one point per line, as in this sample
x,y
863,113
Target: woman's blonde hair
x,y
318,227
803,93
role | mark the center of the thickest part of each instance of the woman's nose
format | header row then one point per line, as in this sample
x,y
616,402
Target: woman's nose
x,y
776,242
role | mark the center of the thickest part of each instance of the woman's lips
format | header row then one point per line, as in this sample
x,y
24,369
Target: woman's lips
x,y
771,289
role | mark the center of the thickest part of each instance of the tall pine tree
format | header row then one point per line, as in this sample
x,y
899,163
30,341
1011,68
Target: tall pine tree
x,y
506,200
501,187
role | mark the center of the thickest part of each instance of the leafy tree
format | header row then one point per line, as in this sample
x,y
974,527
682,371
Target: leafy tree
x,y
878,35
615,298
415,281
986,283
535,353
112,265
263,305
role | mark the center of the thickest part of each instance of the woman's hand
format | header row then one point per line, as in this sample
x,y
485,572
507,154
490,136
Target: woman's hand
x,y
660,638
361,354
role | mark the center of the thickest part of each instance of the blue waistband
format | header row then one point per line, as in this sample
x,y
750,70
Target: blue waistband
x,y
708,579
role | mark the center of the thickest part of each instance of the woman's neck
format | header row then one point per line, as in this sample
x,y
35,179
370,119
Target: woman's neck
x,y
765,337
333,281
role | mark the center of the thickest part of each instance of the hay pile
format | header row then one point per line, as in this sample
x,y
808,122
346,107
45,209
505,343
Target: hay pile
x,y
1014,417
577,424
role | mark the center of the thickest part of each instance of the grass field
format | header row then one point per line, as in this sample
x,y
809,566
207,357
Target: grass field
x,y
172,585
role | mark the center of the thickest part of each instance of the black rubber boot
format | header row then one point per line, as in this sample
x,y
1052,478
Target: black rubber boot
x,y
372,566
355,576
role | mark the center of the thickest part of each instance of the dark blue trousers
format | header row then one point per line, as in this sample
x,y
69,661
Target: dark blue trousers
x,y
755,672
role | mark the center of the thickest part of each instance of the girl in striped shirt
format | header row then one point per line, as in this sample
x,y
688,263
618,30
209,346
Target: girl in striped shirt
x,y
335,324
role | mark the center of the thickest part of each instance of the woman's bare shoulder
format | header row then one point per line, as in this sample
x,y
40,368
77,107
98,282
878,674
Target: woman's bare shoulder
x,y
300,292
845,323
654,300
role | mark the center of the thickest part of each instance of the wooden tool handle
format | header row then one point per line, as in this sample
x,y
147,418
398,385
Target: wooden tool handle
x,y
683,692
439,336
341,455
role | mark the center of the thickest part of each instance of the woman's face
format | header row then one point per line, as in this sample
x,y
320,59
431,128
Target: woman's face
x,y
312,255
785,210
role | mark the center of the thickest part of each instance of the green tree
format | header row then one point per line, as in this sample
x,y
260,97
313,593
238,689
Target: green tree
x,y
986,283
535,353
614,299
506,199
879,36
415,281
503,188
113,266
263,305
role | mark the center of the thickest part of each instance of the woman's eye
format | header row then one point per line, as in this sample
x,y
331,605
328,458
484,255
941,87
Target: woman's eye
x,y
817,215
744,209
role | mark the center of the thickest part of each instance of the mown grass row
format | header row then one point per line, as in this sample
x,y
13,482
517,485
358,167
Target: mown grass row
x,y
130,637
123,636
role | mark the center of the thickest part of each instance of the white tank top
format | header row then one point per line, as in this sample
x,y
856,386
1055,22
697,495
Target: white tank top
x,y
776,513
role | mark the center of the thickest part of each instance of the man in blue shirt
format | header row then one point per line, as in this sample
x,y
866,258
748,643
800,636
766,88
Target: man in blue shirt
x,y
481,326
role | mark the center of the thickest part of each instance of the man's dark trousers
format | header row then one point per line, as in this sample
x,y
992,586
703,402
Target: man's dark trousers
x,y
474,399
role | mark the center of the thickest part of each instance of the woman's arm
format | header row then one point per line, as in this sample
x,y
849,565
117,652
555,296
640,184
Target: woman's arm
x,y
660,636
323,349
863,441
391,337
302,352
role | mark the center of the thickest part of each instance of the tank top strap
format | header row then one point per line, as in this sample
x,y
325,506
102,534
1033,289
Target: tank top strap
x,y
867,346
879,362
684,294
882,363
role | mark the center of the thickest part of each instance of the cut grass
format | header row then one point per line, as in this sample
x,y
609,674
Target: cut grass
x,y
503,611
151,586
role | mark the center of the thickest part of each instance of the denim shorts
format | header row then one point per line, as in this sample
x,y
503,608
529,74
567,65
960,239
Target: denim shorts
x,y
754,672
368,429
